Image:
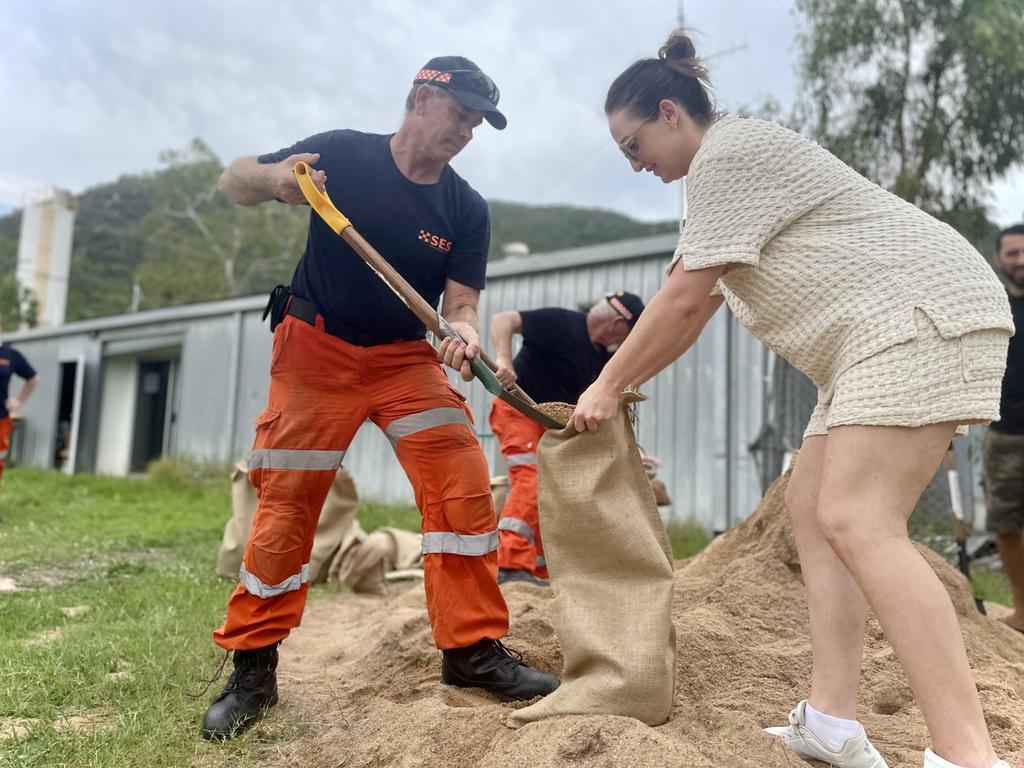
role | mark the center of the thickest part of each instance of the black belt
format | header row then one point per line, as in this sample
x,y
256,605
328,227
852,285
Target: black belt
x,y
305,311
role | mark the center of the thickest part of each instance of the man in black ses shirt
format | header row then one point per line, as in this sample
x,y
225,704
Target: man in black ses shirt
x,y
347,350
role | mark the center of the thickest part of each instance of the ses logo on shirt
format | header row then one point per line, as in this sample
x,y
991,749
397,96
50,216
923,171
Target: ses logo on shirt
x,y
442,244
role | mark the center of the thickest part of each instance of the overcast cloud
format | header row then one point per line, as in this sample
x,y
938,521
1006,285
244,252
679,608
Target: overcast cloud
x,y
94,90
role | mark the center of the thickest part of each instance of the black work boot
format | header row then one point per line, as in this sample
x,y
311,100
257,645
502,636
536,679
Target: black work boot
x,y
250,690
490,665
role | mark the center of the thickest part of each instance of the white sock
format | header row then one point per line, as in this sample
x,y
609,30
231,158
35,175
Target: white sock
x,y
833,731
934,761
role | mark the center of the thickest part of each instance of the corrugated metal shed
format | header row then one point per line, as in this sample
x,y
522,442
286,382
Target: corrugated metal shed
x,y
701,415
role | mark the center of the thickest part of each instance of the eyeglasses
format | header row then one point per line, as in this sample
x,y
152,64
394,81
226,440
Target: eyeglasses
x,y
472,80
629,146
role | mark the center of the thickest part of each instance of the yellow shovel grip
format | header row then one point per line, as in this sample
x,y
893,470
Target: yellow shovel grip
x,y
318,200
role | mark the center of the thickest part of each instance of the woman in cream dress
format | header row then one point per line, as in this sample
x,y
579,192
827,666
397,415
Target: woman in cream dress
x,y
899,322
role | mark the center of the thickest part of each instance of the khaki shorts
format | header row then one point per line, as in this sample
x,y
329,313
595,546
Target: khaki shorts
x,y
1003,473
927,380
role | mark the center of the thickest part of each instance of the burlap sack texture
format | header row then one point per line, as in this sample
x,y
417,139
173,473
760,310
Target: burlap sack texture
x,y
611,572
342,551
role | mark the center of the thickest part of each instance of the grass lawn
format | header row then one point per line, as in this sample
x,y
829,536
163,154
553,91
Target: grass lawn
x,y
108,637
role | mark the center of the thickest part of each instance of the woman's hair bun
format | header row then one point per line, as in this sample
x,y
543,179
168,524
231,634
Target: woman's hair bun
x,y
678,47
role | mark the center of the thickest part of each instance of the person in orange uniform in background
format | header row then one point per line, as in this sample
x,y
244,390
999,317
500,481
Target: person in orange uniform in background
x,y
563,352
347,350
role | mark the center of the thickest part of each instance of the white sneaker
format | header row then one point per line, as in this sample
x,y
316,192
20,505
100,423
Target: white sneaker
x,y
931,760
857,752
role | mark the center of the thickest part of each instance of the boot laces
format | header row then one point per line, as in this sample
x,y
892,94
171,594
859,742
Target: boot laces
x,y
507,655
214,679
242,678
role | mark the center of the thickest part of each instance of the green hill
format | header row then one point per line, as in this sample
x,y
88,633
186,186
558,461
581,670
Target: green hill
x,y
170,233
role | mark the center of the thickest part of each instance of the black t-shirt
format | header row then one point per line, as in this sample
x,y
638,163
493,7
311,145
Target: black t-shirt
x,y
557,361
428,232
11,362
1011,407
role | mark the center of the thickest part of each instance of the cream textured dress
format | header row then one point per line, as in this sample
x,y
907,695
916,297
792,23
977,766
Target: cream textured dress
x,y
830,270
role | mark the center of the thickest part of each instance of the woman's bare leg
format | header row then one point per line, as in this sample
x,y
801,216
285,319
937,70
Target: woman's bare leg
x,y
871,479
836,604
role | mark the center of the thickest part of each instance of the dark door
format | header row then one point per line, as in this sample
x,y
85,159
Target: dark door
x,y
150,413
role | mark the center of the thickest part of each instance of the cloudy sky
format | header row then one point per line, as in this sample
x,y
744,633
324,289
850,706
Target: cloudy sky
x,y
93,90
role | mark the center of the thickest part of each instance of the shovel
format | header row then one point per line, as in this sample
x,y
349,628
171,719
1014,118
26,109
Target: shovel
x,y
481,365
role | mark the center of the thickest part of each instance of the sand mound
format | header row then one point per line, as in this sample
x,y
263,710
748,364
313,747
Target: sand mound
x,y
364,671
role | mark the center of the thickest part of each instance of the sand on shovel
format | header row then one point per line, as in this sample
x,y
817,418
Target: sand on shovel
x,y
362,675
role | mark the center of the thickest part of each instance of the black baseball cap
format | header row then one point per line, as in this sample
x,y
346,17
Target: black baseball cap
x,y
628,305
466,82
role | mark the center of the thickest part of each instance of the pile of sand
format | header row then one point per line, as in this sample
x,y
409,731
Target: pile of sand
x,y
365,672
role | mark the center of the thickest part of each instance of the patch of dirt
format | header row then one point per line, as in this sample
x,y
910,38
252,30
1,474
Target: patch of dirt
x,y
51,577
362,672
15,727
19,727
44,637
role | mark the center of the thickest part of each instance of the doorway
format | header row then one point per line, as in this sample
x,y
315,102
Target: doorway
x,y
69,406
150,413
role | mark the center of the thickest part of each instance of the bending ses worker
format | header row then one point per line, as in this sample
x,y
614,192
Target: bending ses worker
x,y
562,353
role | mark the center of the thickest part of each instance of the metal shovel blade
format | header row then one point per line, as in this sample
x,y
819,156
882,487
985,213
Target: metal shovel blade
x,y
492,385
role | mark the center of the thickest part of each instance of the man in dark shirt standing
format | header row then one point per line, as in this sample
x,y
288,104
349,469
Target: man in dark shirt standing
x,y
562,354
346,350
12,363
1003,461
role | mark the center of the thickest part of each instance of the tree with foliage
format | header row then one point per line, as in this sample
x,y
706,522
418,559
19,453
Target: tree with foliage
x,y
199,246
19,307
925,97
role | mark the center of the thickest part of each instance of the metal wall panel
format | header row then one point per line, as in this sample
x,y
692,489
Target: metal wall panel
x,y
253,380
37,441
208,357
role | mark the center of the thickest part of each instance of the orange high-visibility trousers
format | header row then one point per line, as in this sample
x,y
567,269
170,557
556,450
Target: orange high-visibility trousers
x,y
519,528
6,425
322,389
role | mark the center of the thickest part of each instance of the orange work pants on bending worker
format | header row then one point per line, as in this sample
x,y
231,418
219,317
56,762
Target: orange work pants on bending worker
x,y
519,528
322,389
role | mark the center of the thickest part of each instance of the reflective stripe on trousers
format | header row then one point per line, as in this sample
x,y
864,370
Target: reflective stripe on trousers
x,y
518,459
474,545
417,422
515,525
254,586
278,458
